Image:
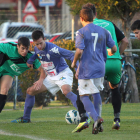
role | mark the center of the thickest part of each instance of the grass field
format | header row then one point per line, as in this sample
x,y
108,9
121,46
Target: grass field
x,y
49,124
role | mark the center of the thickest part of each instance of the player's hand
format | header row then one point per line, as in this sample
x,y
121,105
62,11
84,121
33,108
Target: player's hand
x,y
109,52
73,65
77,73
38,84
29,65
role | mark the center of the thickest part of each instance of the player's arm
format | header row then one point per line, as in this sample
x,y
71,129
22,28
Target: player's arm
x,y
69,55
123,45
31,60
113,49
77,56
61,52
79,48
120,37
38,84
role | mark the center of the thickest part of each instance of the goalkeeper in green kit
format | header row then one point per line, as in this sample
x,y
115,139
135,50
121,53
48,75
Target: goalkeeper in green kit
x,y
13,58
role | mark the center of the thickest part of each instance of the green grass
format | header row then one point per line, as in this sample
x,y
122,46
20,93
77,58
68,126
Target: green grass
x,y
49,124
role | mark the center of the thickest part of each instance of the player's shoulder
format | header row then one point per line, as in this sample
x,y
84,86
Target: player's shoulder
x,y
103,20
103,23
85,28
9,44
50,45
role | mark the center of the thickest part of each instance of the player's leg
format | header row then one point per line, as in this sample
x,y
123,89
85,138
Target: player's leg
x,y
85,119
97,98
97,104
29,102
98,107
66,90
82,112
64,81
5,85
116,102
88,87
113,73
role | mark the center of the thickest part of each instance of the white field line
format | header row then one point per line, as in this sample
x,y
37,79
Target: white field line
x,y
17,135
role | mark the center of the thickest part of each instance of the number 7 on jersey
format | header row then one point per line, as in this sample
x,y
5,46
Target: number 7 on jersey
x,y
95,40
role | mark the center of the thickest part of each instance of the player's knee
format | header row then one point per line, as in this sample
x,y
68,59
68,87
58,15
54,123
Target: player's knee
x,y
66,91
4,91
29,91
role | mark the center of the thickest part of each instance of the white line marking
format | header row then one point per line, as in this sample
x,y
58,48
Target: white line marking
x,y
25,136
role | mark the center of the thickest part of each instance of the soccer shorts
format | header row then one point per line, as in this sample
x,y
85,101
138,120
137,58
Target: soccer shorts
x,y
113,70
90,86
6,73
54,83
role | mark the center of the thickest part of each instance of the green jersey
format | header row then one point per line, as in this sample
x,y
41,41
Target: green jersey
x,y
111,29
15,64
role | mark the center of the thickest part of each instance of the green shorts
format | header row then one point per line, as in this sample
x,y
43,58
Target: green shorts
x,y
113,70
6,73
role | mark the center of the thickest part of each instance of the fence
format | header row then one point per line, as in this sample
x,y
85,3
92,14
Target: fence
x,y
60,21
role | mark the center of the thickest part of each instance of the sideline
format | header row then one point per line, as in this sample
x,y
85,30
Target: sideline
x,y
25,136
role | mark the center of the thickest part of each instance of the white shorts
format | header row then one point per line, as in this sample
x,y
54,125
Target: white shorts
x,y
54,83
90,86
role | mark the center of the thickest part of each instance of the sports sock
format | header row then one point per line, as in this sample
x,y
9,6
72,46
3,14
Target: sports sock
x,y
80,106
117,115
29,103
73,97
116,101
89,107
82,112
97,103
117,119
2,101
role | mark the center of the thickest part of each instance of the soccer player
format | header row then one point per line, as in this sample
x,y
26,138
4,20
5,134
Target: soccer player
x,y
135,27
13,58
112,71
59,75
91,42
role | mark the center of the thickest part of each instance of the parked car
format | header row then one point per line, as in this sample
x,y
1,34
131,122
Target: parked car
x,y
9,29
55,36
67,35
29,35
132,36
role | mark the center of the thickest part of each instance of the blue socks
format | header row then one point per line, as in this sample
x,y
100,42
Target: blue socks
x,y
89,107
97,103
29,103
73,97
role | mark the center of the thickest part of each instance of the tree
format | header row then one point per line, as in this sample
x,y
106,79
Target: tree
x,y
122,9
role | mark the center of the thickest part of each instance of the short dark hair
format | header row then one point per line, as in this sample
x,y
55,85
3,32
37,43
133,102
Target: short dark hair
x,y
24,41
37,34
91,6
86,14
135,25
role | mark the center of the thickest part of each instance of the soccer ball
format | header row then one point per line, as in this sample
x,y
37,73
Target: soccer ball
x,y
72,117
